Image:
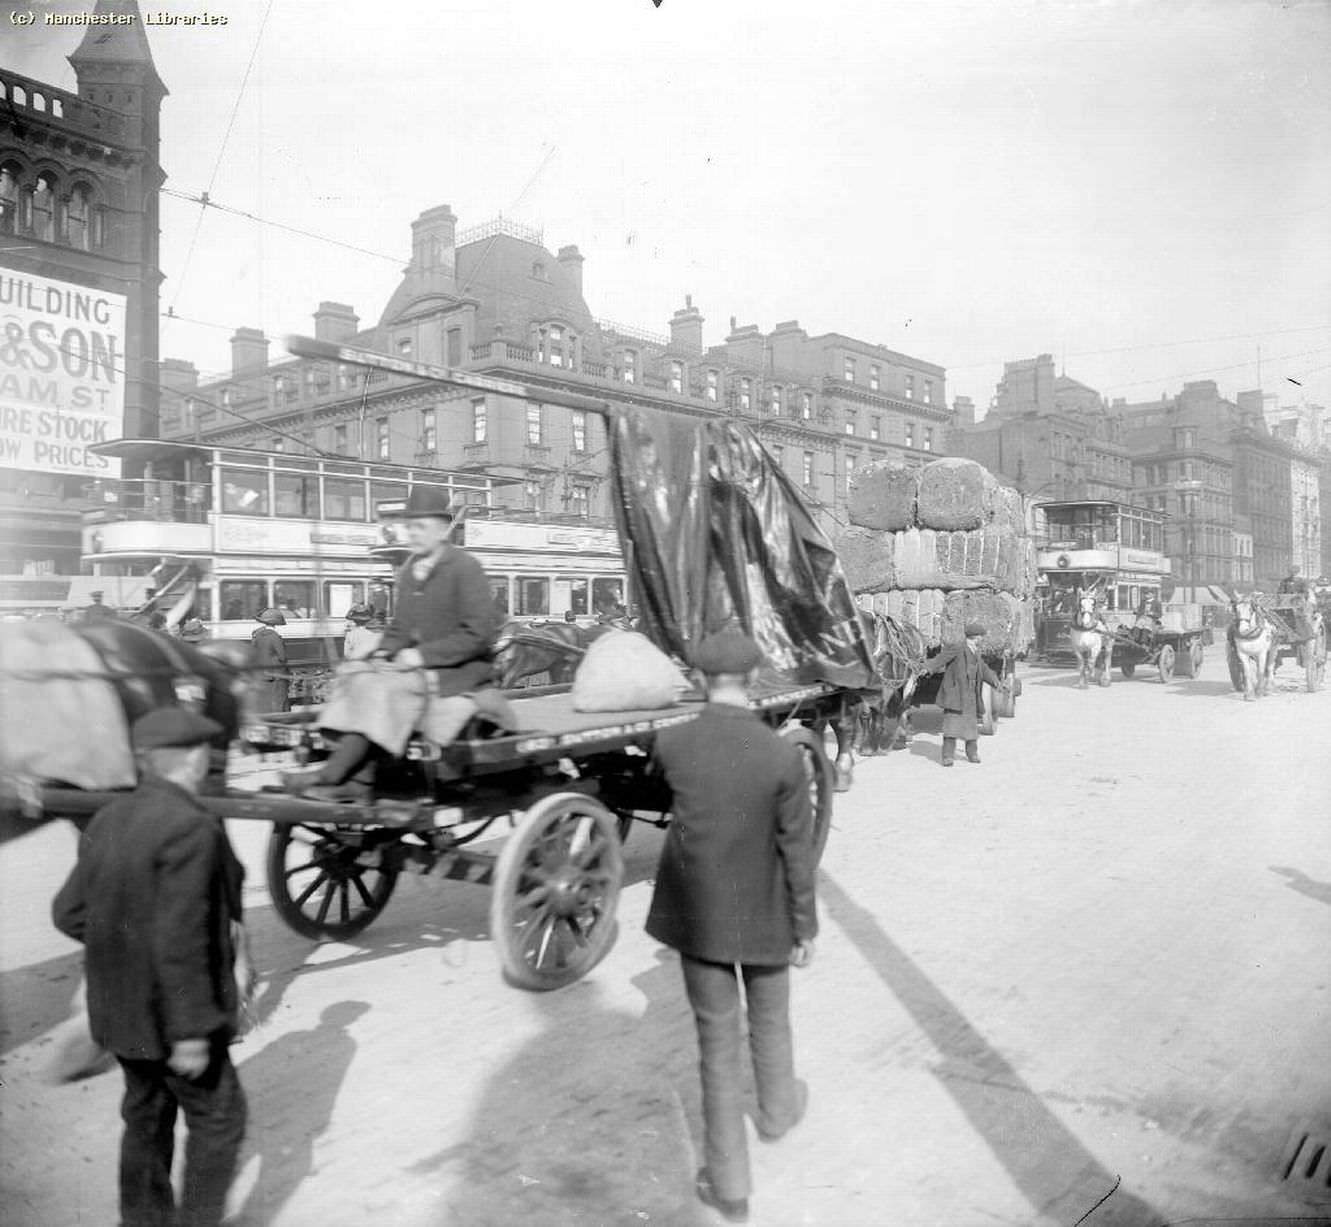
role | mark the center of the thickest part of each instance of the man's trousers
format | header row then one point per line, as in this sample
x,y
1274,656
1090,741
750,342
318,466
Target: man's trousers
x,y
713,991
214,1108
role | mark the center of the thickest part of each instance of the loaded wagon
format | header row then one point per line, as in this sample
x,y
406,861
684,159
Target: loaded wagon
x,y
1174,647
563,786
1283,614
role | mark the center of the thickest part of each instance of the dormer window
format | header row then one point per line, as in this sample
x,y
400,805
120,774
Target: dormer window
x,y
677,377
555,345
746,394
713,388
630,366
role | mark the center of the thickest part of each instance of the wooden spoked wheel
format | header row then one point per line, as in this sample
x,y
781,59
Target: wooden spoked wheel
x,y
1164,663
325,883
821,779
556,886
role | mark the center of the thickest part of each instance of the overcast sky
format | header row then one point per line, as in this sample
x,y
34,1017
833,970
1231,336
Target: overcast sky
x,y
1143,186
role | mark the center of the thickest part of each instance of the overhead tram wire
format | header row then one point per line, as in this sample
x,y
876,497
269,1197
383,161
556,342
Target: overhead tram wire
x,y
221,152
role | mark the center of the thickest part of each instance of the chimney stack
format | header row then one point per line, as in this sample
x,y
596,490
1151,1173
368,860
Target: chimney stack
x,y
249,351
571,258
686,328
335,321
434,241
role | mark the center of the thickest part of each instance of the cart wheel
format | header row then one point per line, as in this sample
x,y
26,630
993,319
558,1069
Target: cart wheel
x,y
1235,667
556,884
319,885
1165,663
988,723
822,782
1128,668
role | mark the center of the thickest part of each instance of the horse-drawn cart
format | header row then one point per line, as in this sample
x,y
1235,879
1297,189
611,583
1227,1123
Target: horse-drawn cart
x,y
1173,648
1268,632
563,786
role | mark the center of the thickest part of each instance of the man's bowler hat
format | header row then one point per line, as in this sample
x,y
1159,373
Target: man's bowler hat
x,y
727,652
172,726
427,501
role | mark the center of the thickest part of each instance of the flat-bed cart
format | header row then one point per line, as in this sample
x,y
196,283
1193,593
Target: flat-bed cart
x,y
565,789
1171,653
1311,654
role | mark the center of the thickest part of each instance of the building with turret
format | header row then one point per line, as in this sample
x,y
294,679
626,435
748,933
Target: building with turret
x,y
80,177
493,298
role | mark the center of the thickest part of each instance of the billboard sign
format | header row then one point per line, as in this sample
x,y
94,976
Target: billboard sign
x,y
62,374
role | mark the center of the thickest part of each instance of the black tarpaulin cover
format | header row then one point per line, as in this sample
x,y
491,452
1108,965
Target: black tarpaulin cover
x,y
715,535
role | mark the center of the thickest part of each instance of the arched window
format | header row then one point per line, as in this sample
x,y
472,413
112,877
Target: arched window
x,y
9,197
76,216
20,96
38,101
57,108
43,208
98,227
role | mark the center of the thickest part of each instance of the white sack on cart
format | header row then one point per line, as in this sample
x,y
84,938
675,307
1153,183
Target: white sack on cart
x,y
625,671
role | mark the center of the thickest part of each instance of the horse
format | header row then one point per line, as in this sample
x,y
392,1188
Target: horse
x,y
1091,640
143,669
1252,639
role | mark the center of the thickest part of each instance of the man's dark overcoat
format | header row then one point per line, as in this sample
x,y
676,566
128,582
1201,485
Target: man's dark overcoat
x,y
736,877
152,899
449,618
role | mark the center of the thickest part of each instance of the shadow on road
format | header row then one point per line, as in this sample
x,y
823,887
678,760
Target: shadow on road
x,y
1058,1176
35,998
292,1086
583,1126
1300,882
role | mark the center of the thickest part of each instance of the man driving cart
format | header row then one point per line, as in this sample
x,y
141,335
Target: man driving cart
x,y
435,654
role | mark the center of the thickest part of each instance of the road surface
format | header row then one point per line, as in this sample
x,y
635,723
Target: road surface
x,y
1085,981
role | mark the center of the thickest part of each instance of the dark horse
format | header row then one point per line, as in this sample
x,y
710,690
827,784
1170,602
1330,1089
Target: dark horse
x,y
529,649
146,670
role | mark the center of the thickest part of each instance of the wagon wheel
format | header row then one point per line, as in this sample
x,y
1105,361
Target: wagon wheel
x,y
556,884
1128,668
1164,663
1235,667
822,782
988,720
322,885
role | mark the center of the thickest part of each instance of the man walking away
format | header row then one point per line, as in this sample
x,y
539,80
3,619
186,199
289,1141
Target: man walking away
x,y
152,899
964,673
735,896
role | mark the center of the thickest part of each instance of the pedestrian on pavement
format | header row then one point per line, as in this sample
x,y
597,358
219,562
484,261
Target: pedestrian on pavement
x,y
735,896
360,640
270,654
155,900
964,673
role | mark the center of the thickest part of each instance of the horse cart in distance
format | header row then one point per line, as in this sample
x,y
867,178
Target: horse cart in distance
x,y
1264,633
1173,648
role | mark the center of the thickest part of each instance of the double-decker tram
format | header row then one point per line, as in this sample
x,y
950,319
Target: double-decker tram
x,y
223,533
1116,549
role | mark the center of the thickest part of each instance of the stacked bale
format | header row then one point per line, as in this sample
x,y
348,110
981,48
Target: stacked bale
x,y
941,546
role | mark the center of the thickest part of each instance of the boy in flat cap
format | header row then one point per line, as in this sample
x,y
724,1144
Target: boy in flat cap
x,y
435,652
735,896
964,671
152,899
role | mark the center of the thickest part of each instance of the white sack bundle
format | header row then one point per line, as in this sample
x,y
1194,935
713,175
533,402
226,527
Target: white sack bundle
x,y
625,671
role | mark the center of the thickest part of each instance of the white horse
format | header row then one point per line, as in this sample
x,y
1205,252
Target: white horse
x,y
1252,640
1091,640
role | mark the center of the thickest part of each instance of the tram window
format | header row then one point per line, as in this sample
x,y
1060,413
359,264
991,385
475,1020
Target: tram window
x,y
339,596
344,499
243,600
531,596
570,597
294,597
296,496
381,597
244,492
607,595
1125,597
499,592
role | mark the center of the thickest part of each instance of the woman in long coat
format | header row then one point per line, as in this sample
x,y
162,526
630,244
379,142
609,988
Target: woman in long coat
x,y
270,653
960,696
